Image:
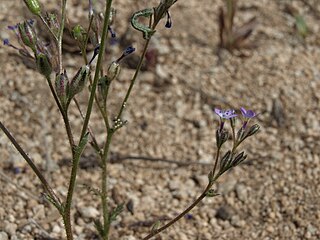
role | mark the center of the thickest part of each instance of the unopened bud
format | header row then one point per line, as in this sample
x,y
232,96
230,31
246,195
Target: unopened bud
x,y
79,81
27,34
240,134
62,87
221,137
225,160
113,70
33,6
103,85
43,64
78,33
239,159
253,130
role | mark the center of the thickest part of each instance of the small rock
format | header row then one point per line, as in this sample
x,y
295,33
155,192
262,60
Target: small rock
x,y
237,222
241,191
3,236
56,229
224,213
10,228
227,186
89,212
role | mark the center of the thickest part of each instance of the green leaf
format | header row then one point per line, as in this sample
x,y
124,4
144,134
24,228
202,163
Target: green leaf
x,y
115,212
211,193
99,227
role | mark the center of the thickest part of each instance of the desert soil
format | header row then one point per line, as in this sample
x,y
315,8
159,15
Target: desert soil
x,y
275,194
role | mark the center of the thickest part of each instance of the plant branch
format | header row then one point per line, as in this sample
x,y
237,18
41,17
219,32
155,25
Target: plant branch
x,y
35,169
195,203
98,67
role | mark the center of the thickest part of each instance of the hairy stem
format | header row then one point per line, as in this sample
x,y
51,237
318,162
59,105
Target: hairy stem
x,y
98,67
104,186
76,157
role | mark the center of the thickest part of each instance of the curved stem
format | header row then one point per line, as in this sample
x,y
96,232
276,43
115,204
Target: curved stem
x,y
195,203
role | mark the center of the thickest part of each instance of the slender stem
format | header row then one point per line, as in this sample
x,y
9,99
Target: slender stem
x,y
35,169
49,29
195,203
76,157
134,78
98,67
60,34
94,141
216,162
64,115
104,190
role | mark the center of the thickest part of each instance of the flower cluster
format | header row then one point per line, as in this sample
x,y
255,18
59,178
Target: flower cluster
x,y
231,158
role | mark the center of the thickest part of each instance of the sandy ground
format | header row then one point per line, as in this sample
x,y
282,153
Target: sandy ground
x,y
275,194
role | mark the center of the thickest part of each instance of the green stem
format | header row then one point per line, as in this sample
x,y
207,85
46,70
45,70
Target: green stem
x,y
216,162
64,115
60,34
104,186
134,78
76,157
98,67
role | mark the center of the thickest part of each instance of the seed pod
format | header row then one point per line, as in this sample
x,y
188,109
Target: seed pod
x,y
239,159
113,70
62,87
43,64
79,81
27,34
33,6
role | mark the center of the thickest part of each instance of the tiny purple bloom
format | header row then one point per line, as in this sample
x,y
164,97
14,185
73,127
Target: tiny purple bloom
x,y
13,27
126,52
226,114
129,50
6,42
247,113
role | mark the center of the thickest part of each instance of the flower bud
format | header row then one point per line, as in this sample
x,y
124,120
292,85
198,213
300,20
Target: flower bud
x,y
224,162
33,6
113,70
253,130
78,33
62,87
43,64
27,34
240,134
239,159
79,81
221,137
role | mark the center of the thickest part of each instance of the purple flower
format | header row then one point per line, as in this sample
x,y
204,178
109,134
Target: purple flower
x,y
247,113
225,114
6,42
127,52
